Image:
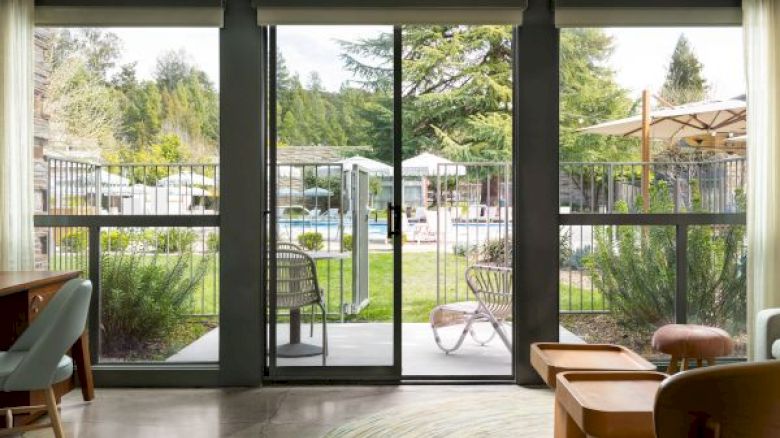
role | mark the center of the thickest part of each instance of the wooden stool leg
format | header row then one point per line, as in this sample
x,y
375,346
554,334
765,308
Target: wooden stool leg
x,y
685,363
565,426
672,368
698,362
54,414
710,361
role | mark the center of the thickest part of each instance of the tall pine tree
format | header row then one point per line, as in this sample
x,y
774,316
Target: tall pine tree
x,y
685,81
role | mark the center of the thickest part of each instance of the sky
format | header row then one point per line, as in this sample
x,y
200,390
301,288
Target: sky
x,y
640,58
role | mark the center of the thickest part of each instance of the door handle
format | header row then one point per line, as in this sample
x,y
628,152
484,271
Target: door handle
x,y
390,220
393,220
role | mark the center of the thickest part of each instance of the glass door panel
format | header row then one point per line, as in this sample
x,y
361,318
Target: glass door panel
x,y
332,260
457,209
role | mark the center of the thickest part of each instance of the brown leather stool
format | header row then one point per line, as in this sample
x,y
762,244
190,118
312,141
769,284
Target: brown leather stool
x,y
688,341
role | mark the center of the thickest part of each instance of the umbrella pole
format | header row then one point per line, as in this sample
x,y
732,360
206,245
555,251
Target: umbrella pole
x,y
646,150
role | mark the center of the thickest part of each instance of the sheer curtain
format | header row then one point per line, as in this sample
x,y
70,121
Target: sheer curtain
x,y
761,23
16,134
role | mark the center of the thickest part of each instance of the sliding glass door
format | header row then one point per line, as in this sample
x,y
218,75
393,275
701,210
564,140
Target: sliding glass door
x,y
390,187
333,229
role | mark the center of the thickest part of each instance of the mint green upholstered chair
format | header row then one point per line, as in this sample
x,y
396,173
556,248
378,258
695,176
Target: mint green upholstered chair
x,y
37,360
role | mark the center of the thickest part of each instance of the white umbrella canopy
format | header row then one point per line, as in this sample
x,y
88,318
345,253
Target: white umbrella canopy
x,y
288,192
187,178
317,192
372,166
726,116
90,177
427,164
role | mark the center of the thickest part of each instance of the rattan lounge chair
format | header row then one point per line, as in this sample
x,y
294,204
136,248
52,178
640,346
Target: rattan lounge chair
x,y
492,288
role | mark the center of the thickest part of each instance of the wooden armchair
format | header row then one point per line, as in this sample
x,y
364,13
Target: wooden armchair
x,y
740,400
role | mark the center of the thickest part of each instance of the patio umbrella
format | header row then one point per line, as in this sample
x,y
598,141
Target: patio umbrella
x,y
701,118
372,166
726,116
288,191
427,164
187,178
80,177
315,192
110,179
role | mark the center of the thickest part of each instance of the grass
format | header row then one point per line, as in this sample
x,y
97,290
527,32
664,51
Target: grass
x,y
419,287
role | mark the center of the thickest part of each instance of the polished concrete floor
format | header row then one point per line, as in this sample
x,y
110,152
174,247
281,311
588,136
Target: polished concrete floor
x,y
372,344
265,412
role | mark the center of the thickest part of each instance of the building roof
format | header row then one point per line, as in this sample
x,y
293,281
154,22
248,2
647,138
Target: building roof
x,y
316,154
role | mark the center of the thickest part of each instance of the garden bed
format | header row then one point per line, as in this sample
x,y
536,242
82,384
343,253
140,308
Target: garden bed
x,y
604,328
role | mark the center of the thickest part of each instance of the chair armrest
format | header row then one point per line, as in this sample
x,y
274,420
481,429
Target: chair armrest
x,y
767,332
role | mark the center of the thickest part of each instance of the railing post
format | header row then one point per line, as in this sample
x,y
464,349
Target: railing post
x,y
610,188
94,308
681,292
98,189
677,194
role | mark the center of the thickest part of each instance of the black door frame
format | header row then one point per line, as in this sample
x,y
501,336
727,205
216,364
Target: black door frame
x,y
536,296
375,374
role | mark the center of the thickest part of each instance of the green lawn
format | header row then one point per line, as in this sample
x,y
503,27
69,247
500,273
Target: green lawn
x,y
419,287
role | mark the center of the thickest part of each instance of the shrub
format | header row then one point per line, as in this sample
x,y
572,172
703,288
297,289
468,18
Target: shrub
x,y
635,268
144,298
347,242
496,252
576,259
463,250
76,241
311,240
212,242
171,240
114,240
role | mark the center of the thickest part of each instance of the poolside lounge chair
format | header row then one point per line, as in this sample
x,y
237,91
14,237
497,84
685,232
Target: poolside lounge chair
x,y
492,288
331,213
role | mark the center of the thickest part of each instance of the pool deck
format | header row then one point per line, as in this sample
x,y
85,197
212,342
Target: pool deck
x,y
366,344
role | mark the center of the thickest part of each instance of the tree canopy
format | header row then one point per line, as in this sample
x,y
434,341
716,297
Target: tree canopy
x,y
98,105
685,81
457,96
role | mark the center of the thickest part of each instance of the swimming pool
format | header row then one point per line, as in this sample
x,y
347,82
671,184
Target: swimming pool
x,y
460,232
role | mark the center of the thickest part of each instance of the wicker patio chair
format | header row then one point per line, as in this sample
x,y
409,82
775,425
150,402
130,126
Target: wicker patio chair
x,y
288,245
297,286
492,288
296,247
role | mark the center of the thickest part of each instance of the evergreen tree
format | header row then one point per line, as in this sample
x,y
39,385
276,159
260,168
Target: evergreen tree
x,y
685,81
98,49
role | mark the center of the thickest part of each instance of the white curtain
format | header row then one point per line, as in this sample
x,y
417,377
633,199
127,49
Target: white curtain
x,y
761,23
16,134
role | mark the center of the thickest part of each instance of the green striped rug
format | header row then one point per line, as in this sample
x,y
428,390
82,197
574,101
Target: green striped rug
x,y
459,415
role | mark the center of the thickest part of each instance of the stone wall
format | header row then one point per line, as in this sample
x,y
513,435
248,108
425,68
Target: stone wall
x,y
43,38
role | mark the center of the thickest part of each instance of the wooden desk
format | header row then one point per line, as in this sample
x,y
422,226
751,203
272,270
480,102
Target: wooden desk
x,y
606,404
551,358
22,297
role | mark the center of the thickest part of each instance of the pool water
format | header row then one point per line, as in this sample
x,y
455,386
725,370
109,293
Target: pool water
x,y
459,232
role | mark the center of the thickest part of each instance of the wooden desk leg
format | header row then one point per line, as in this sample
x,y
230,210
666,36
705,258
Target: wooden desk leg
x,y
80,351
565,426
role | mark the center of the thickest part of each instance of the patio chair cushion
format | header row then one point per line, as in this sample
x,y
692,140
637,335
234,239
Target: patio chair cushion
x,y
9,360
692,341
452,313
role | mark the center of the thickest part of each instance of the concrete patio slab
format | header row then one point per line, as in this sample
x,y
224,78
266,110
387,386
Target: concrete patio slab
x,y
372,344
